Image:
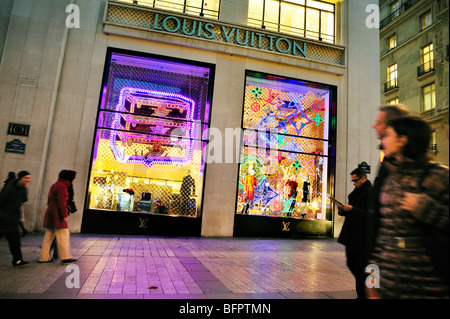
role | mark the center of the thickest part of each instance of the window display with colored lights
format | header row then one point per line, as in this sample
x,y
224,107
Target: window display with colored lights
x,y
287,155
149,146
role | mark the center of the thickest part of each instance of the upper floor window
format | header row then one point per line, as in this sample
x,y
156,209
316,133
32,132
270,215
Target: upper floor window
x,y
433,143
206,8
427,57
395,9
392,41
392,101
307,18
392,77
425,20
429,97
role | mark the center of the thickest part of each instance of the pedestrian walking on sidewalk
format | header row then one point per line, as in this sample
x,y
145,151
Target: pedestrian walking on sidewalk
x,y
353,233
12,176
55,221
414,208
385,114
13,195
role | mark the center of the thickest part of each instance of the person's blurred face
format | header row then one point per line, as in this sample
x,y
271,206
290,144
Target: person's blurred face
x,y
24,181
380,124
358,181
393,143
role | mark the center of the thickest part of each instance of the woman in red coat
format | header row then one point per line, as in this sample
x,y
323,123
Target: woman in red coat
x,y
55,221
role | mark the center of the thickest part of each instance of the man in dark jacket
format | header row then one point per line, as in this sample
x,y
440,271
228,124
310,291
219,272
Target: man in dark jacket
x,y
12,197
353,233
385,114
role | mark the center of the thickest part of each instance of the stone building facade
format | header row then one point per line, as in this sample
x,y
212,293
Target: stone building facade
x,y
414,49
97,85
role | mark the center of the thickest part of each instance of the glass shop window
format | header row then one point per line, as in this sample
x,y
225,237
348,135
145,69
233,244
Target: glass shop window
x,y
148,151
288,151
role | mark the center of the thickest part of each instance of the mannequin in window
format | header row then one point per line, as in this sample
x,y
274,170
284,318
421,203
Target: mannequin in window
x,y
249,189
186,191
291,193
305,197
306,185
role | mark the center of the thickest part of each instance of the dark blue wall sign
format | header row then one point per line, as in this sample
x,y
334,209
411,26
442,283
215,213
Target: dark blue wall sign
x,y
15,146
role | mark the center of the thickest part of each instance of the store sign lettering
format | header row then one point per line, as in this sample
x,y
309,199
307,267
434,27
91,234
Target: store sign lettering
x,y
208,30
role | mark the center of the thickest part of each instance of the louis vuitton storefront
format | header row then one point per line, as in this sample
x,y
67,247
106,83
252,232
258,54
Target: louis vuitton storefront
x,y
148,160
210,118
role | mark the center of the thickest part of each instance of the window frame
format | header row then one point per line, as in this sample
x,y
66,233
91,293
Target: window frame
x,y
431,95
395,9
392,39
329,145
306,32
424,20
186,8
429,55
102,126
392,101
392,75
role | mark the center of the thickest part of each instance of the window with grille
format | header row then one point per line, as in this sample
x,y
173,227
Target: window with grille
x,y
304,18
427,58
392,77
148,151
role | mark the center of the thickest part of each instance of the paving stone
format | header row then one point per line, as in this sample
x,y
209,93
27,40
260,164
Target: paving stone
x,y
130,267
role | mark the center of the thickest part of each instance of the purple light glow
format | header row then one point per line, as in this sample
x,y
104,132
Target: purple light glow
x,y
163,102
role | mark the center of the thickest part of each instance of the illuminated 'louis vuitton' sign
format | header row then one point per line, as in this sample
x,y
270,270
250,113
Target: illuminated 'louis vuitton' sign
x,y
228,34
149,19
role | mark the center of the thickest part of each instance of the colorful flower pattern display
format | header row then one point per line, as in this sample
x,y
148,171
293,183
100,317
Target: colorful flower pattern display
x,y
285,138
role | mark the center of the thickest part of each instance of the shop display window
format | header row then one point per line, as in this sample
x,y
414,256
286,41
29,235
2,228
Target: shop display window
x,y
149,148
288,151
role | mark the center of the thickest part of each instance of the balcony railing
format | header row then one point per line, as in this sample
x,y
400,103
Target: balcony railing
x,y
405,6
433,148
390,85
425,68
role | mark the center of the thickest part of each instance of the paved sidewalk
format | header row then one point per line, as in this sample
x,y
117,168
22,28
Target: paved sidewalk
x,y
131,267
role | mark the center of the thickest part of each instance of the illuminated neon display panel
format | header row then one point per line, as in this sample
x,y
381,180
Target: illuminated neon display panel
x,y
287,155
149,146
169,109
